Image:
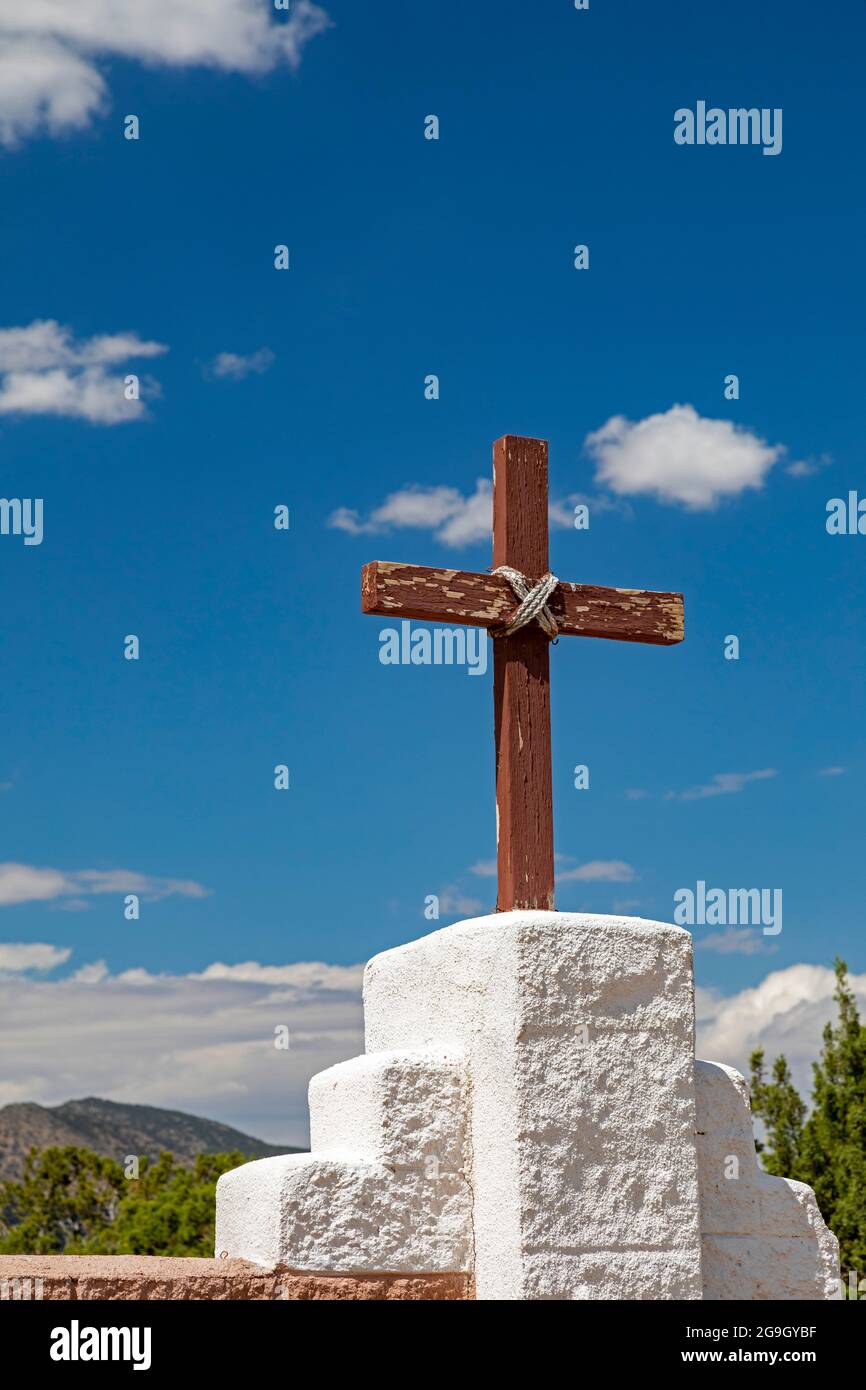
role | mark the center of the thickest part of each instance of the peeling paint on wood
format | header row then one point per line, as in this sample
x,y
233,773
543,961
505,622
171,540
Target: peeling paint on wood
x,y
521,663
521,682
486,600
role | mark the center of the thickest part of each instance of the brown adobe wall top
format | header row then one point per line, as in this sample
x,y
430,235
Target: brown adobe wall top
x,y
75,1277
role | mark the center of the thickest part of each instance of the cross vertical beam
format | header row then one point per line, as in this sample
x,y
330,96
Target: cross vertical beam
x,y
521,686
521,670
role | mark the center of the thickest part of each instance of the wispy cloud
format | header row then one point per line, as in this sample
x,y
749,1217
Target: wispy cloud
x,y
25,883
680,456
453,902
561,511
598,871
236,366
20,956
44,370
832,771
485,868
452,518
807,468
745,941
53,56
723,784
300,975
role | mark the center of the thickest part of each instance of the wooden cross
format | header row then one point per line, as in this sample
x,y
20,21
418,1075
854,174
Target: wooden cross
x,y
521,667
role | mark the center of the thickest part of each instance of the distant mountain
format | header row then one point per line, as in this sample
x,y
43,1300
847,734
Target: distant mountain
x,y
116,1130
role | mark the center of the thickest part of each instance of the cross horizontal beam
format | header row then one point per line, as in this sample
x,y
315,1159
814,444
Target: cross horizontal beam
x,y
486,600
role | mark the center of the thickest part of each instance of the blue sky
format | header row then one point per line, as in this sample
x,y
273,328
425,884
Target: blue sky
x,y
411,257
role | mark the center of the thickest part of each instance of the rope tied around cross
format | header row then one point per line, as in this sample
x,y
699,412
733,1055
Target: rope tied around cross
x,y
533,603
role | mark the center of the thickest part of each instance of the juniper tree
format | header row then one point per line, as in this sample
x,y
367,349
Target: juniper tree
x,y
834,1139
827,1150
74,1201
783,1112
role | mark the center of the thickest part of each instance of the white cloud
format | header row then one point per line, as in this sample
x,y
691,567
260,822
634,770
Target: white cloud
x,y
24,883
31,955
832,771
599,871
453,902
680,456
45,371
724,784
785,1013
807,468
200,1042
45,343
561,511
49,49
236,366
485,868
126,881
453,519
303,974
19,883
442,510
204,1041
745,941
44,86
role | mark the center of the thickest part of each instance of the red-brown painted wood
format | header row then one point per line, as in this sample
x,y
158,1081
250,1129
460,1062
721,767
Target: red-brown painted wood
x,y
521,674
487,600
521,686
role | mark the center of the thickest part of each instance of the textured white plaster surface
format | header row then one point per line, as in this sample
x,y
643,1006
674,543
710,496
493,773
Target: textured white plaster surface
x,y
762,1237
529,1108
403,1108
386,1188
578,1036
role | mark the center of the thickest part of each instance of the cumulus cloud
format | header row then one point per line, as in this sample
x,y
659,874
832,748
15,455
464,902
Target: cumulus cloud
x,y
45,86
723,784
24,883
785,1013
680,456
453,519
53,53
236,366
44,370
202,1042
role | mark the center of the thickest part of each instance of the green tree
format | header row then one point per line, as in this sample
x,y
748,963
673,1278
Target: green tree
x,y
783,1112
169,1210
834,1140
828,1149
77,1202
63,1195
